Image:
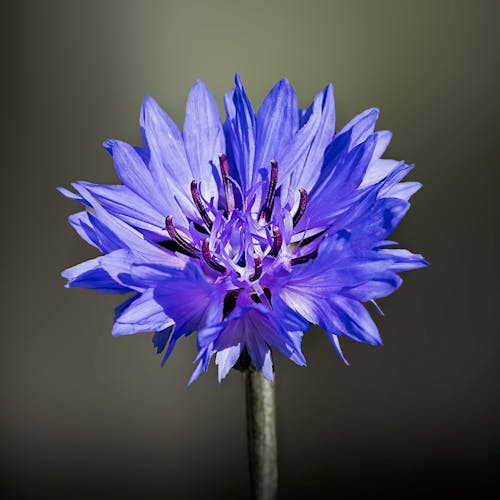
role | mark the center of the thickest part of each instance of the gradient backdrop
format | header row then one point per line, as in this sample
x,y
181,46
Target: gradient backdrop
x,y
85,415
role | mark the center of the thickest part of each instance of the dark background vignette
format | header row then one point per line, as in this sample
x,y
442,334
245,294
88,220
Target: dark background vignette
x,y
88,416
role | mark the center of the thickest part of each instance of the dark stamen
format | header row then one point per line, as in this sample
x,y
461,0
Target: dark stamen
x,y
258,269
205,251
254,296
200,228
175,247
302,207
278,241
228,186
305,258
310,239
195,193
177,238
229,302
267,209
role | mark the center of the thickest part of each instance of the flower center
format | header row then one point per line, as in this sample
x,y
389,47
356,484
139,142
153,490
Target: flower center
x,y
239,243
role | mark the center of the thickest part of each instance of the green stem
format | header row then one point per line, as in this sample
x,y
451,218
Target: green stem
x,y
261,428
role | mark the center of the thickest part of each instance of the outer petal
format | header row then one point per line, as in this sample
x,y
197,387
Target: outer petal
x,y
143,314
186,296
277,121
362,126
108,273
240,126
168,165
128,206
204,139
150,182
114,234
301,164
257,328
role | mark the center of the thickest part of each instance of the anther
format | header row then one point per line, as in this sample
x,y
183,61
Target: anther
x,y
277,242
302,207
305,258
195,193
183,244
205,251
258,269
267,209
228,186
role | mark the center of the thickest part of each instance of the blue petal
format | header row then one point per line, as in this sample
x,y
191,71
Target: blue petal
x,y
168,164
362,126
204,139
227,358
128,206
240,126
352,320
404,190
334,339
190,300
107,273
149,183
143,314
114,234
277,121
301,163
160,339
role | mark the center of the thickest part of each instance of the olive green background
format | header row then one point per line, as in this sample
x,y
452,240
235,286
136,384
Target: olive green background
x,y
85,415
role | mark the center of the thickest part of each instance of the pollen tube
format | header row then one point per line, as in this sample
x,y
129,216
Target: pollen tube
x,y
277,242
302,206
228,187
183,244
258,269
267,209
304,258
195,193
205,251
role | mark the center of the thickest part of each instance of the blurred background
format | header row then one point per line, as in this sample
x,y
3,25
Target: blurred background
x,y
85,415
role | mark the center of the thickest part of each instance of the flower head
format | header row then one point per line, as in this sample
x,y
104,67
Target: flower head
x,y
247,231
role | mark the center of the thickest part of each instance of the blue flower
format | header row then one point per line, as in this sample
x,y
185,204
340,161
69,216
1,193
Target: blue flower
x,y
247,231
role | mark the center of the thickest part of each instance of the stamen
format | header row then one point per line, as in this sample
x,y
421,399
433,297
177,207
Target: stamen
x,y
304,258
185,245
228,186
229,302
195,193
278,241
267,209
205,251
302,206
258,269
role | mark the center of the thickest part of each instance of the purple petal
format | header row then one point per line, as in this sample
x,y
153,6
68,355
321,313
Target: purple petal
x,y
144,314
240,125
204,139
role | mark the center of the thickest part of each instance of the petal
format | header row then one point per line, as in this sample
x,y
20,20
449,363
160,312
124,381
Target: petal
x,y
240,127
352,320
152,184
334,339
168,165
204,139
82,225
143,314
160,339
114,234
227,358
301,164
108,273
277,121
362,126
403,190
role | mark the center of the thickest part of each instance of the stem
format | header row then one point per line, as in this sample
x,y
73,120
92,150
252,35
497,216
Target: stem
x,y
261,429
